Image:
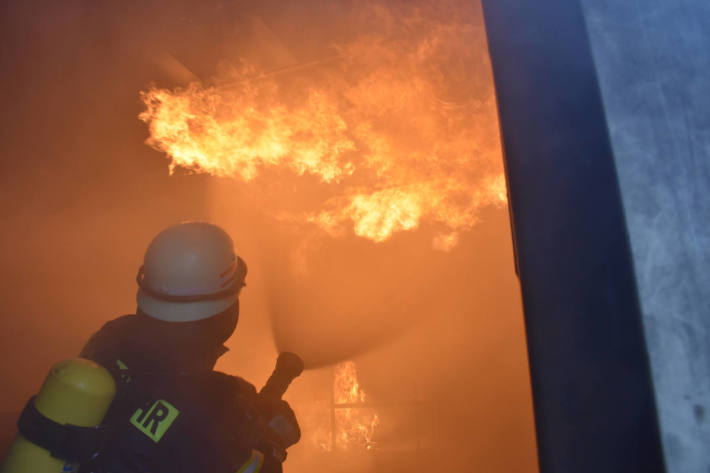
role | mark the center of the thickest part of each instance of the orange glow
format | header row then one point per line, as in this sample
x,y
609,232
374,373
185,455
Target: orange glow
x,y
347,422
354,426
391,123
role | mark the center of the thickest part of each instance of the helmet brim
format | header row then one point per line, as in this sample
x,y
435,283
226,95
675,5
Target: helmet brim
x,y
181,311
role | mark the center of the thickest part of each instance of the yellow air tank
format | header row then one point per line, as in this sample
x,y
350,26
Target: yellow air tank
x,y
76,392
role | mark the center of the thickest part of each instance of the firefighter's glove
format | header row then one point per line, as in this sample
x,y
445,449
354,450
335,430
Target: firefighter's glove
x,y
279,420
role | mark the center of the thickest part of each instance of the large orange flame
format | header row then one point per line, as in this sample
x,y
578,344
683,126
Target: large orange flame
x,y
399,124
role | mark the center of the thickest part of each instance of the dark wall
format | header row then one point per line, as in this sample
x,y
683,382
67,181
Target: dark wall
x,y
80,195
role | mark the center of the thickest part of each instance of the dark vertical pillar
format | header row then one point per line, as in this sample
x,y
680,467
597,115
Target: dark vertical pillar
x,y
592,389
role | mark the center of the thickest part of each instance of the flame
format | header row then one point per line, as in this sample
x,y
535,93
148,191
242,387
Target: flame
x,y
354,426
346,388
347,423
399,124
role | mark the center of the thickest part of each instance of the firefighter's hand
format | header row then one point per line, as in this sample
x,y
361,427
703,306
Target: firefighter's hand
x,y
280,421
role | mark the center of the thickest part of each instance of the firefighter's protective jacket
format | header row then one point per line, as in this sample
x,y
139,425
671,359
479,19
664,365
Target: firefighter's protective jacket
x,y
172,412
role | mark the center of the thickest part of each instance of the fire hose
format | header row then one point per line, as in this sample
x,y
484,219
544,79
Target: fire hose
x,y
280,420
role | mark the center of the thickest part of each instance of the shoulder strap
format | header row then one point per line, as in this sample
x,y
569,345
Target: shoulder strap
x,y
68,442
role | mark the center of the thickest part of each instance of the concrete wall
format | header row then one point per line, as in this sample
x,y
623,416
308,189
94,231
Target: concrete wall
x,y
653,63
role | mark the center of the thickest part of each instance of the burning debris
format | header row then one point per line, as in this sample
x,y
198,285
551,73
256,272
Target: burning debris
x,y
352,421
394,128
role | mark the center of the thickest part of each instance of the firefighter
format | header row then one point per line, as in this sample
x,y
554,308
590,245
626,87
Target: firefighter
x,y
172,411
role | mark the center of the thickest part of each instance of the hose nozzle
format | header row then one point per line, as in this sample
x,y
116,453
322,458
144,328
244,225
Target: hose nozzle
x,y
288,367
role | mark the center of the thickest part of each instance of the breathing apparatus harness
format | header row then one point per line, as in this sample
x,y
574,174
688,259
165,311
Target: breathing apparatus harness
x,y
72,443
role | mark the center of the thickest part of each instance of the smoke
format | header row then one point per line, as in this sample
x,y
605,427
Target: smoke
x,y
392,129
431,314
80,195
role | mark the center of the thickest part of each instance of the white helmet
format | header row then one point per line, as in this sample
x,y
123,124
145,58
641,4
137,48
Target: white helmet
x,y
190,272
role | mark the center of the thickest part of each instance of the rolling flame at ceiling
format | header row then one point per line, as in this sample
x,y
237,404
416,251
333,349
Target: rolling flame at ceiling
x,y
396,125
